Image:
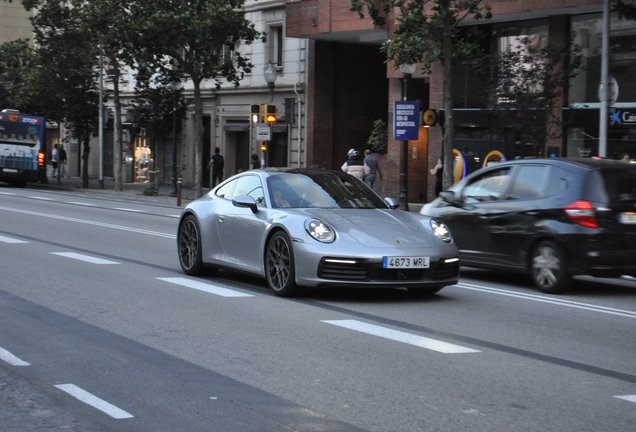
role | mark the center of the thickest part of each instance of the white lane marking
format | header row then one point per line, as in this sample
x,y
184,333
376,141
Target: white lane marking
x,y
41,198
89,222
212,289
129,210
86,258
628,398
11,359
94,401
83,204
8,193
401,336
551,300
10,240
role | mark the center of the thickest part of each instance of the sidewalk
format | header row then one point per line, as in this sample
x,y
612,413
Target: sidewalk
x,y
133,191
130,191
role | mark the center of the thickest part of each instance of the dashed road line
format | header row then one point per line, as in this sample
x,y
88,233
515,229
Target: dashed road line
x,y
11,359
400,336
94,401
11,240
209,288
85,258
82,204
628,398
129,210
41,198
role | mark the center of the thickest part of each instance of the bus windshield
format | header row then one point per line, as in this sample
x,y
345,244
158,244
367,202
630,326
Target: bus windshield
x,y
21,141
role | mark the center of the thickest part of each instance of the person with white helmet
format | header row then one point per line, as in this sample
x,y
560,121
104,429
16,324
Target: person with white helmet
x,y
355,165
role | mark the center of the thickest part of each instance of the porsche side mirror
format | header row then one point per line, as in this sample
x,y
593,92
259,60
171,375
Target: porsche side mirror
x,y
448,196
392,203
245,201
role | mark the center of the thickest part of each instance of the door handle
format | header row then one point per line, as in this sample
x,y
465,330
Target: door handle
x,y
221,218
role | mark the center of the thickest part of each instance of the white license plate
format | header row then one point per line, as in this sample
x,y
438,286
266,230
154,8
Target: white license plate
x,y
627,218
11,170
406,262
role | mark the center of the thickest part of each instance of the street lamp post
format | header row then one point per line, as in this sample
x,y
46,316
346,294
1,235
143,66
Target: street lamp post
x,y
270,75
176,85
407,70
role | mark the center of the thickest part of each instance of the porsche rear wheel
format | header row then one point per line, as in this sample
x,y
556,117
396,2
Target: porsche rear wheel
x,y
189,246
549,268
279,265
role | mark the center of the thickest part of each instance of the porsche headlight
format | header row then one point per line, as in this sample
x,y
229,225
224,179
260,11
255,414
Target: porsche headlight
x,y
440,231
320,230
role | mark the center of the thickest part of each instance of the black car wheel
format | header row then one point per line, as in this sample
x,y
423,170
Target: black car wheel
x,y
189,244
549,268
279,265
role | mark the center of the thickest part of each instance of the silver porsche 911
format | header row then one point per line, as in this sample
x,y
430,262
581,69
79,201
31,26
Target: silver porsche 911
x,y
313,228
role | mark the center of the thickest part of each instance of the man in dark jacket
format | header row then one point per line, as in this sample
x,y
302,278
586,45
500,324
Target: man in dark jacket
x,y
218,164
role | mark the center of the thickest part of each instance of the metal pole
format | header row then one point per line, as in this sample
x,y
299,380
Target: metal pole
x,y
101,119
173,179
404,186
602,140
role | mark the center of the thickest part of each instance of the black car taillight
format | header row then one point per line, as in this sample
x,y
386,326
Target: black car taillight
x,y
582,213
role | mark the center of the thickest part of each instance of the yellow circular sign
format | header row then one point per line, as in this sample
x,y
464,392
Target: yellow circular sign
x,y
429,118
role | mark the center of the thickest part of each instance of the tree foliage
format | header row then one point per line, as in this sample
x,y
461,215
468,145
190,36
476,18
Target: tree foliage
x,y
193,39
428,31
524,88
18,76
626,8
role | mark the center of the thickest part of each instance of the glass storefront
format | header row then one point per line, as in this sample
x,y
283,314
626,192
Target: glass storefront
x,y
582,139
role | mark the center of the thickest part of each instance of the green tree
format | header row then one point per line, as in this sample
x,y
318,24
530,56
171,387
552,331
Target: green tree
x,y
193,40
626,8
428,31
18,76
524,86
67,60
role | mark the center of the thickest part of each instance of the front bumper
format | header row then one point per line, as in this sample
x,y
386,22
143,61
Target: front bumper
x,y
318,266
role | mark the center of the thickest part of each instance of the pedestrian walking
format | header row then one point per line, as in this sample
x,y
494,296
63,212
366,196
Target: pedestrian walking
x,y
62,162
438,172
255,163
355,165
218,164
374,168
54,161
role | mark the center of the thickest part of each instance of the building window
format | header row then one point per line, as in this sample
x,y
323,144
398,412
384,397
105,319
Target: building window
x,y
275,45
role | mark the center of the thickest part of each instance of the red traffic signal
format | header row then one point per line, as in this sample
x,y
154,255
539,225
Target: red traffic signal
x,y
270,113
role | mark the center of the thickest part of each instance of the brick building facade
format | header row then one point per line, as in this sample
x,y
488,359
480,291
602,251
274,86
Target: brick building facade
x,y
346,93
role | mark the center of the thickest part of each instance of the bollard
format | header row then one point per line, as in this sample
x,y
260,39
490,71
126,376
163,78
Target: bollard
x,y
179,182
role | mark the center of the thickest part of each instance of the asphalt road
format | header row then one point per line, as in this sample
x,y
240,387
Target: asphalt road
x,y
101,331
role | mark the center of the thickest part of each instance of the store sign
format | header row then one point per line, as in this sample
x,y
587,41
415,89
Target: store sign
x,y
406,121
624,117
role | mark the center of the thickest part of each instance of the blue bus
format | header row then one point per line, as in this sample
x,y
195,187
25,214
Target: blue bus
x,y
22,148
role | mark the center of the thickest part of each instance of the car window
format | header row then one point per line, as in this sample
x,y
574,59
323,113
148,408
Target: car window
x,y
487,187
620,184
322,189
530,182
225,191
250,185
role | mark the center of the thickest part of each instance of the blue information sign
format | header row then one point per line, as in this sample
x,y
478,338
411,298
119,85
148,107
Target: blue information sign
x,y
406,120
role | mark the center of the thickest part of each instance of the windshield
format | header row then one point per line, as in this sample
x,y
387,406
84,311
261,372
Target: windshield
x,y
321,189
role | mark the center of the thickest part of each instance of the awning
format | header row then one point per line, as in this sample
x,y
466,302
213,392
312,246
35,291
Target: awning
x,y
236,127
279,128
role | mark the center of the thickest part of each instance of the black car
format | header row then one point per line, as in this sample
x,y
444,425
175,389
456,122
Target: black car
x,y
550,218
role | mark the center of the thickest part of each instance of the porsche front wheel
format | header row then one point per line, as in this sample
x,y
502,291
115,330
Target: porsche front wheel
x,y
189,248
279,265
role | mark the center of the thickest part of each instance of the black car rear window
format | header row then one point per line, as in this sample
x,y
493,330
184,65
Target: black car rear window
x,y
620,184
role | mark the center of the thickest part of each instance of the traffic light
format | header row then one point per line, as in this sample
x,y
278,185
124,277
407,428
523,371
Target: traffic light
x,y
270,113
255,113
263,145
